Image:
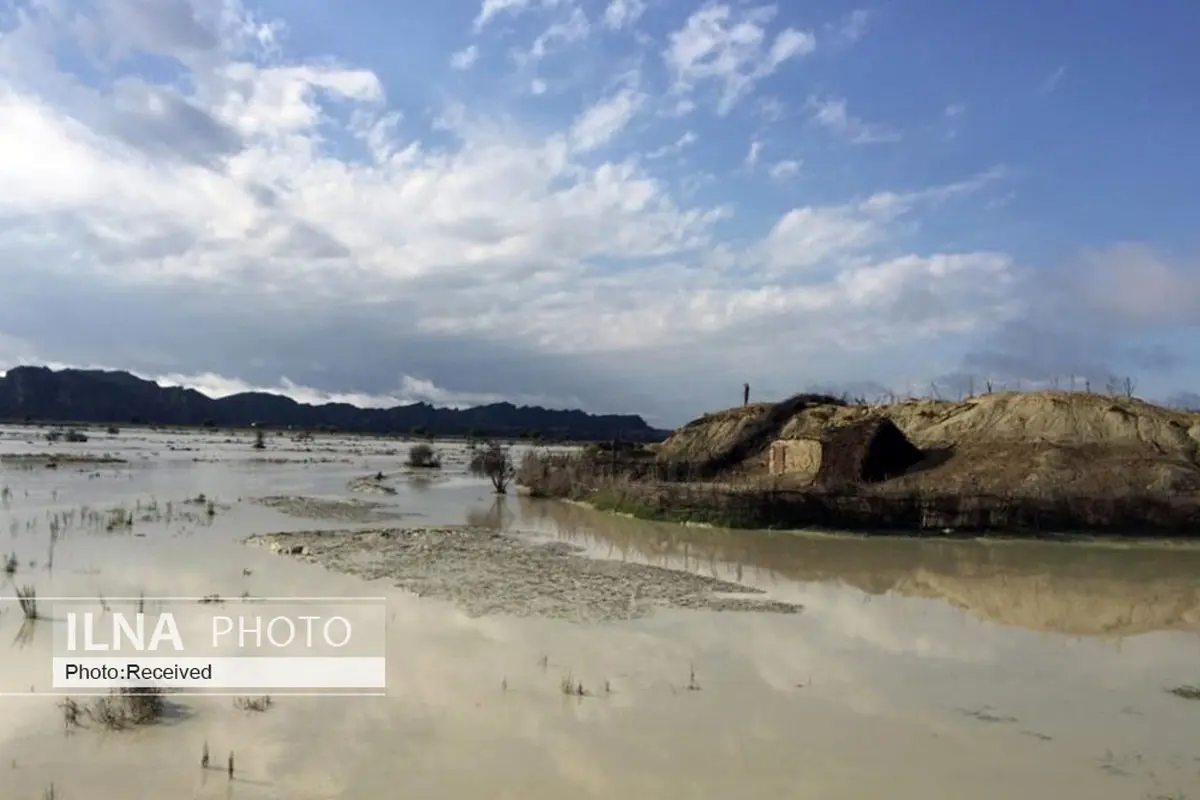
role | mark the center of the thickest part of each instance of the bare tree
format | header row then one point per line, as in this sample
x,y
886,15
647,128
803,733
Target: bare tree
x,y
494,463
1129,385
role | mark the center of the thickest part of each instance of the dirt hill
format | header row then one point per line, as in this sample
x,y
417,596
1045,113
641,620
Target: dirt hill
x,y
1009,441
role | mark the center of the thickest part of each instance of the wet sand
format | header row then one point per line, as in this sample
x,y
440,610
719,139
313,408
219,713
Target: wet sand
x,y
485,571
915,670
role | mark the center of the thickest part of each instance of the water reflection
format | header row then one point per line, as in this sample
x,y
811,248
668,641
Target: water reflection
x,y
1073,589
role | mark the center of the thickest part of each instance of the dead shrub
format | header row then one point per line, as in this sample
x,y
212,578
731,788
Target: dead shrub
x,y
423,456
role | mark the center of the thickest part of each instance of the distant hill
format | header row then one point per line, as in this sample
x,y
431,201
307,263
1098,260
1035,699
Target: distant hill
x,y
74,395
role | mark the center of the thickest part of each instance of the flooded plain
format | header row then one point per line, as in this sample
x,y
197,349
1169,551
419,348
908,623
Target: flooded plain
x,y
714,664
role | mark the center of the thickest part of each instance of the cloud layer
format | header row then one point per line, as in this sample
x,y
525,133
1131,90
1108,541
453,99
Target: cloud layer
x,y
187,190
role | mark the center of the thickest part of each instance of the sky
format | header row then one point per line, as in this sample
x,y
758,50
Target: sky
x,y
627,206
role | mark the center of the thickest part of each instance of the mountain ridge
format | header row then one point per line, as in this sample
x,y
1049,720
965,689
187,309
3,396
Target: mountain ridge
x,y
36,393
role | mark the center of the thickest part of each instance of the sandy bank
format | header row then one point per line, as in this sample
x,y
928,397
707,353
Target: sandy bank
x,y
487,572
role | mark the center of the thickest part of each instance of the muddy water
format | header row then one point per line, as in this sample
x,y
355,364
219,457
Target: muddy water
x,y
916,669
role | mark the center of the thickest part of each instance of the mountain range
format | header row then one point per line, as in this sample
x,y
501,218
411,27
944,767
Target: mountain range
x,y
31,393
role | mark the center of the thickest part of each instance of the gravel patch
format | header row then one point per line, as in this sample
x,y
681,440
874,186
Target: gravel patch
x,y
487,572
371,484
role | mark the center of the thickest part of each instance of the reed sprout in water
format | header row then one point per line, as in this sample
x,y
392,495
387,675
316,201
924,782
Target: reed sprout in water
x,y
27,598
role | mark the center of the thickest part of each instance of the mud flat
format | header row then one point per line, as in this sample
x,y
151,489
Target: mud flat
x,y
327,508
49,459
370,484
486,572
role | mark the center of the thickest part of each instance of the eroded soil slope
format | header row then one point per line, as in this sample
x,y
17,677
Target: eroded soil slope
x,y
1009,441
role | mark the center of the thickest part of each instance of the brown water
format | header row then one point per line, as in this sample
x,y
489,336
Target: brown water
x,y
917,669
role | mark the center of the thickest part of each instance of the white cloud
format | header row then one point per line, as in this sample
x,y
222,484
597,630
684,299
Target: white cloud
x,y
831,114
623,13
465,58
951,119
1133,283
686,140
753,154
814,236
408,391
602,122
771,109
730,47
785,170
854,26
574,28
492,8
537,87
1051,82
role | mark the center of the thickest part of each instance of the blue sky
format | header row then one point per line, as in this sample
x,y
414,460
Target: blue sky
x,y
625,205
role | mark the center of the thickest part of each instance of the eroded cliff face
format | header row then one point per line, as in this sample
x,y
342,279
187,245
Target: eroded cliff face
x,y
1003,442
38,393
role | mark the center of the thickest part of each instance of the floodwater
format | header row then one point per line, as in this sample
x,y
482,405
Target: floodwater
x,y
917,669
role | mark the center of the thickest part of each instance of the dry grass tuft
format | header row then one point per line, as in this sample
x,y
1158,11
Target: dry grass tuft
x,y
124,708
572,687
253,703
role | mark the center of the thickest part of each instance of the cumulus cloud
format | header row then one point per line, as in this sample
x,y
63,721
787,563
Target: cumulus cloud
x,y
731,48
253,213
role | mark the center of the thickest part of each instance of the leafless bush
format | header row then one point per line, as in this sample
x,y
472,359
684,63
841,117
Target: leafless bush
x,y
494,463
128,707
422,456
72,713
